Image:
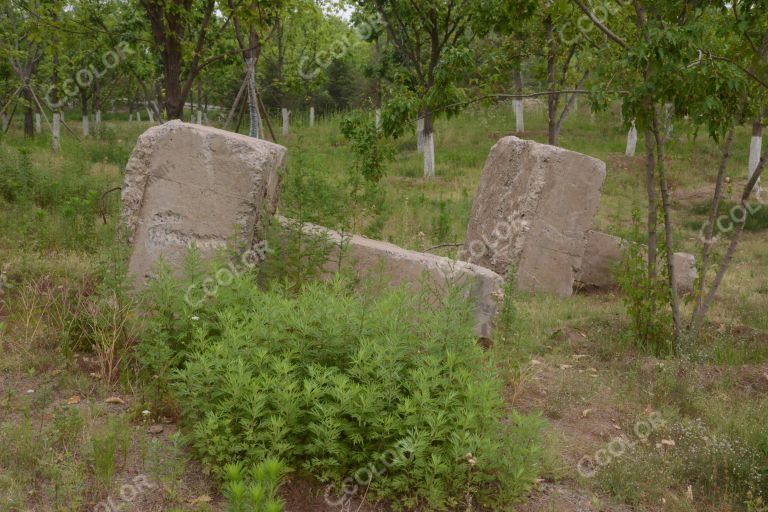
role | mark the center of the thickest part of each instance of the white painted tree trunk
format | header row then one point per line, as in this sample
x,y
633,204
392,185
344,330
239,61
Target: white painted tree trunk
x,y
669,110
254,116
311,117
755,149
138,116
519,115
631,140
56,135
38,124
150,115
205,118
86,127
98,119
130,117
378,118
5,121
420,136
429,155
286,119
199,117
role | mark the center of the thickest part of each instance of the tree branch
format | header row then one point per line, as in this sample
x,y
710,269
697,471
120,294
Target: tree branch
x,y
613,37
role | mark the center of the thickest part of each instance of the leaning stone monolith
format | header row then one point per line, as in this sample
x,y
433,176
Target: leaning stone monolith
x,y
533,208
189,185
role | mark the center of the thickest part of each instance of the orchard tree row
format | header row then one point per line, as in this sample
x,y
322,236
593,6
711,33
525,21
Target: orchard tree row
x,y
702,62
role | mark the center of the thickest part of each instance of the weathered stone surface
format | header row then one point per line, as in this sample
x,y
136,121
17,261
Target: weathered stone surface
x,y
397,266
531,213
191,185
685,272
603,254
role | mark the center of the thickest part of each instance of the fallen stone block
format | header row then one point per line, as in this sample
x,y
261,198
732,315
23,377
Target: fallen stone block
x,y
533,207
686,272
397,266
603,255
189,185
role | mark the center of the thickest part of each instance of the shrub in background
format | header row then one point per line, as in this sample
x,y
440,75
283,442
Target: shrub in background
x,y
57,206
646,297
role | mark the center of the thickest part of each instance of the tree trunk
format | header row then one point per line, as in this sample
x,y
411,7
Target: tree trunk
x,y
736,238
377,59
378,118
168,25
156,101
29,125
84,111
97,104
286,120
253,102
174,99
660,136
38,123
569,105
668,126
650,188
709,229
755,147
553,98
420,135
240,118
236,103
56,135
631,140
518,103
429,146
311,116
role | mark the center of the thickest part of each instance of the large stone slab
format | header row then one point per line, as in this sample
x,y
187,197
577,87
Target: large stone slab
x,y
531,213
603,255
190,185
396,266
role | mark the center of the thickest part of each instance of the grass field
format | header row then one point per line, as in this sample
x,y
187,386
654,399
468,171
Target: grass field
x,y
73,440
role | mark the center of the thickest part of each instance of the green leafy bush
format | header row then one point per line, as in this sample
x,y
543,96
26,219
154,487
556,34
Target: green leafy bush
x,y
254,490
368,145
645,296
293,256
345,388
